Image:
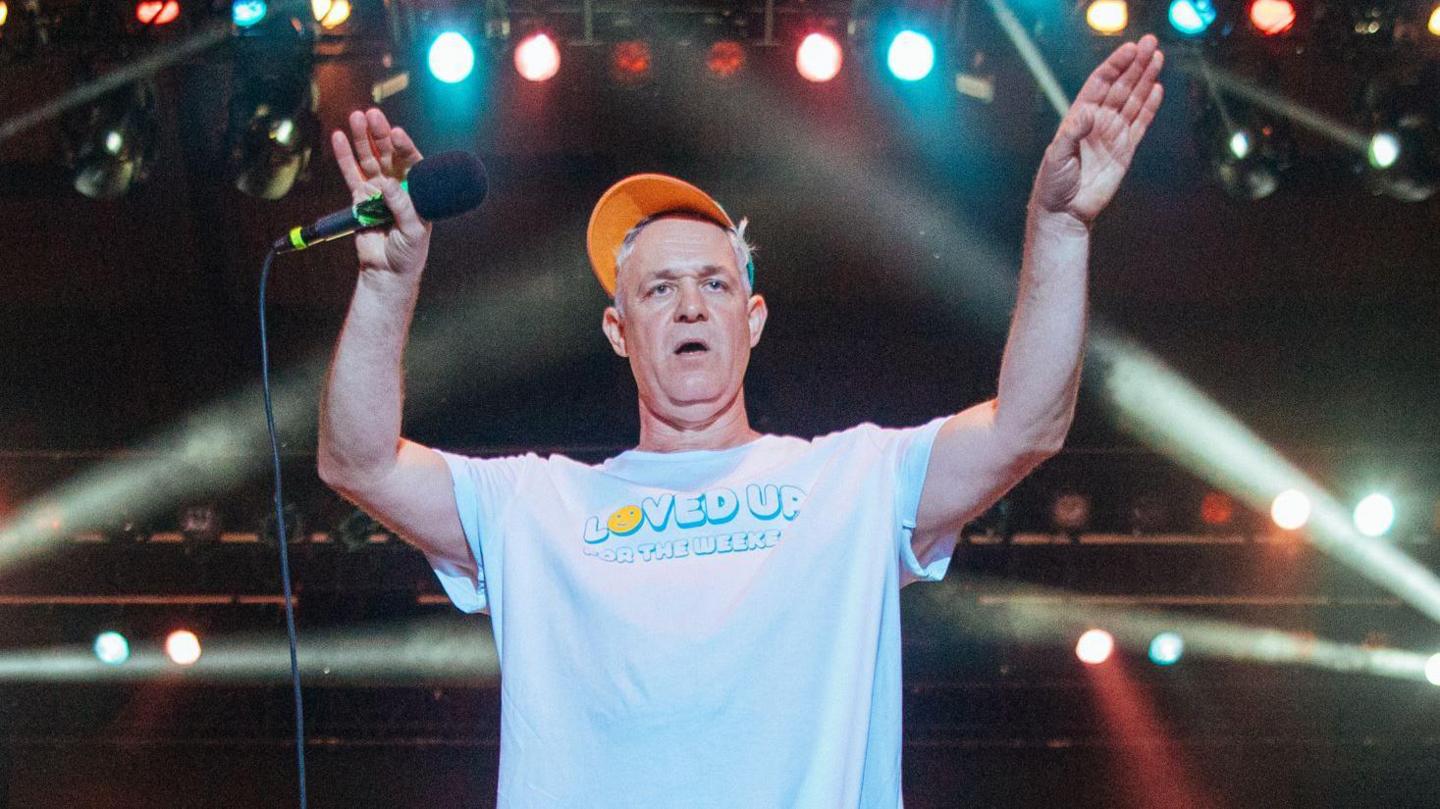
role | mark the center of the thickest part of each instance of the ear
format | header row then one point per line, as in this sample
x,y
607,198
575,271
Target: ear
x,y
757,315
614,329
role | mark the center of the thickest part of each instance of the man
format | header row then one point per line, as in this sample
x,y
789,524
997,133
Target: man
x,y
710,619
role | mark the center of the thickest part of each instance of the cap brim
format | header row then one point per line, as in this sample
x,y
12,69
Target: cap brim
x,y
633,199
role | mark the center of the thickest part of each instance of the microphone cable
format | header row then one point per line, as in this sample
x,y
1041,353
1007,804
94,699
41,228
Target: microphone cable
x,y
281,535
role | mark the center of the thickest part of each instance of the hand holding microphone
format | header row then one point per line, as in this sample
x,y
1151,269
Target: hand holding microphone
x,y
392,222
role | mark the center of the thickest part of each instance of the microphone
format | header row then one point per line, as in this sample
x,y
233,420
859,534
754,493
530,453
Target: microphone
x,y
442,186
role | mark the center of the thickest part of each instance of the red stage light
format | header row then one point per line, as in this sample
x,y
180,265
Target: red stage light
x,y
1272,17
1095,647
819,57
157,12
726,57
631,60
537,58
1217,509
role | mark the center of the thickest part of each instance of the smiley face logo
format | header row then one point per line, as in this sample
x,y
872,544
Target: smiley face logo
x,y
625,520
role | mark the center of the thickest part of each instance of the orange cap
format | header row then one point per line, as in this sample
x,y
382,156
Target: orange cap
x,y
633,199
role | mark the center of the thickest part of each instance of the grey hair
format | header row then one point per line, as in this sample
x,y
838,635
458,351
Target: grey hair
x,y
744,251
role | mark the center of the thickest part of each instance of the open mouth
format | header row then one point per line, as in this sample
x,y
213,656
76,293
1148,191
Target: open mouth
x,y
691,347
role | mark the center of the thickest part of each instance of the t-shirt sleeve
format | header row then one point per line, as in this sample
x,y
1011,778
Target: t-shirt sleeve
x,y
907,456
484,488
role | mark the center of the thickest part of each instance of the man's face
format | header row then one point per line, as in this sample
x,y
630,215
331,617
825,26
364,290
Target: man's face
x,y
689,324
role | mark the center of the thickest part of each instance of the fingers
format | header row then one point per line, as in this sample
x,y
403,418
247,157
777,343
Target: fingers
x,y
406,154
364,149
1124,86
401,206
1073,129
1147,112
1104,77
379,130
345,159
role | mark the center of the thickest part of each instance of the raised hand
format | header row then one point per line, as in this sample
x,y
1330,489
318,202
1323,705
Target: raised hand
x,y
1092,150
379,160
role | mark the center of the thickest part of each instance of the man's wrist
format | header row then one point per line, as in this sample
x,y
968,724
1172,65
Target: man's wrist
x,y
1057,223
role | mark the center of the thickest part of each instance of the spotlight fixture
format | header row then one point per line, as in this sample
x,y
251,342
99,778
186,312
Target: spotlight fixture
x,y
537,57
630,61
1191,18
725,58
1070,511
330,13
273,128
911,56
1107,17
1247,152
1404,152
1166,649
1272,17
110,145
247,13
4,13
819,57
157,12
200,523
1374,515
1290,510
111,648
451,57
1095,647
1217,509
182,647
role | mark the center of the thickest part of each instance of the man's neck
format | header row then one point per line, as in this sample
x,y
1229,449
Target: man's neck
x,y
729,427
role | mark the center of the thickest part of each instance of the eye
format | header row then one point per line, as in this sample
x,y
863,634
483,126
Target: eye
x,y
659,289
716,284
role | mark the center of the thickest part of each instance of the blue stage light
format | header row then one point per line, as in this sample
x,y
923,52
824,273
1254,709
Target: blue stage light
x,y
452,58
246,13
1166,648
911,56
111,648
1191,17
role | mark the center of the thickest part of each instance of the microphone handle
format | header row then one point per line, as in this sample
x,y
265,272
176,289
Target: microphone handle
x,y
367,213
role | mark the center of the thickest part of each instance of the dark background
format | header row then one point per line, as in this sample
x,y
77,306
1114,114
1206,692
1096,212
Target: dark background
x,y
889,223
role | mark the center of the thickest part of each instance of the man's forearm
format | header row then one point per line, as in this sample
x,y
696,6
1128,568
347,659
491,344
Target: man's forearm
x,y
360,409
1040,373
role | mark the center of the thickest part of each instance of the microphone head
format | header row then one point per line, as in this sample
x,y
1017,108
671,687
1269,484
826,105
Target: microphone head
x,y
446,185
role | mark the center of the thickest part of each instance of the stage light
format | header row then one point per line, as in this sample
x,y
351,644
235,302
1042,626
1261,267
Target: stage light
x,y
1247,152
111,648
245,13
819,57
182,647
4,13
725,58
1290,510
1435,20
1191,17
110,145
451,57
1432,669
911,56
1108,17
1217,509
1272,17
537,58
1095,647
330,13
273,130
156,12
1384,150
1166,648
1374,515
630,61
1070,511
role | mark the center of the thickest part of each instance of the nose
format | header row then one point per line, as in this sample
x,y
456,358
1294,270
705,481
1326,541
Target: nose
x,y
692,304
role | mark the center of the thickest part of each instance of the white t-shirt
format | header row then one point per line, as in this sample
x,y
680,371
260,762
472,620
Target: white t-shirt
x,y
699,629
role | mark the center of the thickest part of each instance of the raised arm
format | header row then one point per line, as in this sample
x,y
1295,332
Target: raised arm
x,y
982,452
360,453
